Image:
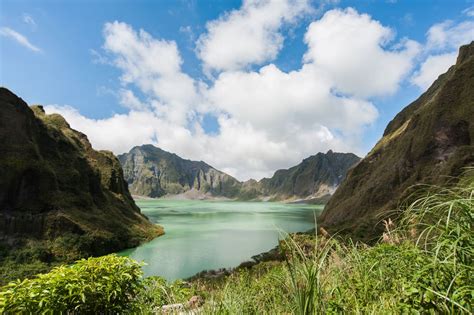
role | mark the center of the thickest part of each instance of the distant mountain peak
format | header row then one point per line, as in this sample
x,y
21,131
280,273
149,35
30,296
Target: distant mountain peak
x,y
160,173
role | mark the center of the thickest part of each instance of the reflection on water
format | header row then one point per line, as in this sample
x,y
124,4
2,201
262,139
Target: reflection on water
x,y
203,235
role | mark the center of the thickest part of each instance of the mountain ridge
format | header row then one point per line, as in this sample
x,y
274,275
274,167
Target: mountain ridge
x,y
428,142
153,172
59,193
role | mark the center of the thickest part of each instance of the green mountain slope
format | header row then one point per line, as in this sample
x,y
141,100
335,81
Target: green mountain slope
x,y
58,192
427,142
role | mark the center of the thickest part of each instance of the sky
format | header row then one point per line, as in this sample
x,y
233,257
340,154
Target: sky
x,y
247,86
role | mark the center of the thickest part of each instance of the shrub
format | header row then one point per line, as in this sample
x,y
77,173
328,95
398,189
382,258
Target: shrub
x,y
96,285
423,266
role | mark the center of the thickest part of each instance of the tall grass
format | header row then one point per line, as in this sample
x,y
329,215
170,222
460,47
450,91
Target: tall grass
x,y
423,263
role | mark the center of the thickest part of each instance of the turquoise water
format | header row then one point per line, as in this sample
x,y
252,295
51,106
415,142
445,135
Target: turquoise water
x,y
204,235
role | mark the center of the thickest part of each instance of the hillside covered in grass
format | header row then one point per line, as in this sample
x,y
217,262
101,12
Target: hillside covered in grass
x,y
60,200
423,263
428,142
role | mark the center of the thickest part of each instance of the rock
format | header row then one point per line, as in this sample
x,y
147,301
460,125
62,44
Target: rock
x,y
313,179
54,184
153,172
190,307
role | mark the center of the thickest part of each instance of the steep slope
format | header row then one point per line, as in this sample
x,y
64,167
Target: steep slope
x,y
428,141
58,192
316,177
153,172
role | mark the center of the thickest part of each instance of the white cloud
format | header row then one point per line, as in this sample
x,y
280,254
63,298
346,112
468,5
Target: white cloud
x,y
441,49
469,11
250,35
238,149
450,35
153,65
128,99
346,45
19,38
268,119
277,101
28,19
431,68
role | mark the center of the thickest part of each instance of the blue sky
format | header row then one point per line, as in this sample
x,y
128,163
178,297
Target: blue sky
x,y
62,54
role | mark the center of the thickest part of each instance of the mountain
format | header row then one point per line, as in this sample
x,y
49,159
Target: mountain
x,y
153,172
428,142
57,192
316,177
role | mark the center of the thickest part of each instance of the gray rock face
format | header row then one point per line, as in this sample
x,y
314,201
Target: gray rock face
x,y
316,177
153,172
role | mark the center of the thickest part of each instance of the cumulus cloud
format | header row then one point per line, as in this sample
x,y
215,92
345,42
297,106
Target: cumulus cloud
x,y
153,65
440,50
346,45
19,38
450,35
249,35
274,100
268,118
431,68
128,99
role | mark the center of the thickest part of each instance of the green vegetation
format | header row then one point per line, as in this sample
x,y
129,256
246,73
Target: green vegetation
x,y
60,200
108,284
428,142
422,263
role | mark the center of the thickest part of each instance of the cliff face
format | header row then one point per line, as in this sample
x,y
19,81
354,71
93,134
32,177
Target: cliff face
x,y
153,172
428,141
316,177
53,185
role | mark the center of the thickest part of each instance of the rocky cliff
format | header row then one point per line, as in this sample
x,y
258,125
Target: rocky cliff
x,y
427,142
315,178
153,172
58,192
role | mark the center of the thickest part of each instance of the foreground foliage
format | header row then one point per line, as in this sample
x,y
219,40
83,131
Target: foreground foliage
x,y
423,263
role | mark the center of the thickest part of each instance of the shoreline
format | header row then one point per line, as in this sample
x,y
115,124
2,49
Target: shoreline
x,y
184,197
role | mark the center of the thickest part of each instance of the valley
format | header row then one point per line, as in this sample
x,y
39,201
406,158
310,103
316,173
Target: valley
x,y
236,157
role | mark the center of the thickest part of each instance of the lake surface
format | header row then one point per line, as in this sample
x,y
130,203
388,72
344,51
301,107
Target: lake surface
x,y
204,235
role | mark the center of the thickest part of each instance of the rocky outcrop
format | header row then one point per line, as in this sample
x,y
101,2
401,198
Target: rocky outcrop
x,y
428,142
53,184
153,172
316,177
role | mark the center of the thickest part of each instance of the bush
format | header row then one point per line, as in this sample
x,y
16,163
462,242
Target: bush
x,y
424,266
96,285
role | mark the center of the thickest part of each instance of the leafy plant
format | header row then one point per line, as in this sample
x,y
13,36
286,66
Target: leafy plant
x,y
95,285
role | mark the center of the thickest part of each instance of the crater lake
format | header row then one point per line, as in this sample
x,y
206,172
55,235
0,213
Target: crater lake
x,y
205,235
